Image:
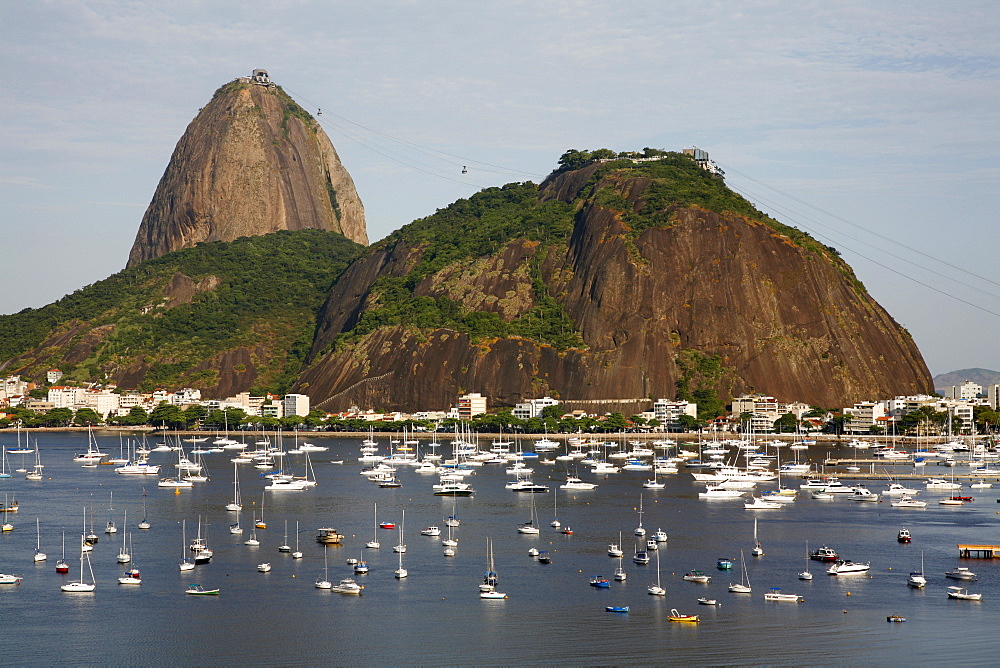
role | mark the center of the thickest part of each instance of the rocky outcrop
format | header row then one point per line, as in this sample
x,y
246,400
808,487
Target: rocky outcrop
x,y
250,163
784,318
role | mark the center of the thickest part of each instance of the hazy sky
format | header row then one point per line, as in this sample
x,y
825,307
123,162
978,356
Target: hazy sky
x,y
873,125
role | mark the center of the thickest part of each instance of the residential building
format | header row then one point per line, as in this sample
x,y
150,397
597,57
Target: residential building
x,y
533,408
669,413
993,396
967,390
296,404
863,416
470,405
53,376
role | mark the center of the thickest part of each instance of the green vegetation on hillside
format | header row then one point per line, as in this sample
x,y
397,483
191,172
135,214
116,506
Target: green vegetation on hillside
x,y
479,226
260,291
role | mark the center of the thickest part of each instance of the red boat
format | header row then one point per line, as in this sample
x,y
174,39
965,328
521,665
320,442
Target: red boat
x,y
387,525
903,536
567,531
962,498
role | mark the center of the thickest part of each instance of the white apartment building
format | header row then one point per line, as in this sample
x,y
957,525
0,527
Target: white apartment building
x,y
104,403
533,408
13,386
993,396
863,416
897,407
766,410
296,404
669,413
53,375
61,396
967,390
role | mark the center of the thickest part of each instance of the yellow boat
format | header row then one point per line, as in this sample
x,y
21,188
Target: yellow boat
x,y
678,617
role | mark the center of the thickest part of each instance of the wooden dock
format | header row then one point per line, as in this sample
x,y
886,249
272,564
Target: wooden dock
x,y
979,551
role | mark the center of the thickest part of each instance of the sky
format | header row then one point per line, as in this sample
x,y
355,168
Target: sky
x,y
872,125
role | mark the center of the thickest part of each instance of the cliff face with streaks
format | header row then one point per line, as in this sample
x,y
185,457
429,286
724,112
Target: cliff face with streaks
x,y
250,163
608,282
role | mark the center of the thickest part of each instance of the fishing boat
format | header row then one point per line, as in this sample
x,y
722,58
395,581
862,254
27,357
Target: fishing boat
x,y
198,590
660,536
903,536
328,536
600,582
82,586
916,579
431,531
697,576
742,587
846,566
678,617
774,594
963,594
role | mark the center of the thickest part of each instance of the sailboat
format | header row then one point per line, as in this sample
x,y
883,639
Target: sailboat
x,y
130,576
916,578
529,526
373,543
39,555
144,524
296,554
61,565
743,587
401,546
260,523
36,472
488,589
124,557
235,504
757,550
324,582
555,523
186,564
449,544
81,585
401,572
236,528
657,589
639,531
806,574
285,547
620,573
111,527
452,520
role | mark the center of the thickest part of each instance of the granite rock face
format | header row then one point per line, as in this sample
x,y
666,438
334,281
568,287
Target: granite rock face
x,y
250,163
785,319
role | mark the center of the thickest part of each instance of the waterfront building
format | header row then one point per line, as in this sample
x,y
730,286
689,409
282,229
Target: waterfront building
x,y
532,408
296,404
669,413
967,390
471,404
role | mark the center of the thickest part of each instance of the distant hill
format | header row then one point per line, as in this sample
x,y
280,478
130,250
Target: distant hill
x,y
984,377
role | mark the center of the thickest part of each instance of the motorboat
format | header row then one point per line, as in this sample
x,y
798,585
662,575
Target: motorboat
x,y
862,493
347,586
707,601
897,489
963,594
600,582
941,484
824,554
774,594
821,495
697,576
760,503
903,536
845,566
616,608
724,564
960,573
678,617
908,502
916,579
640,556
576,483
660,536
198,590
720,493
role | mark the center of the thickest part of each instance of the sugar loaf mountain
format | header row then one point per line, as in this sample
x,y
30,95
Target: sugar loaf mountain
x,y
620,276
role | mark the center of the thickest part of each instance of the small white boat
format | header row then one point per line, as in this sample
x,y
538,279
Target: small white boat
x,y
960,573
346,586
759,503
963,594
264,567
80,586
908,502
775,595
916,579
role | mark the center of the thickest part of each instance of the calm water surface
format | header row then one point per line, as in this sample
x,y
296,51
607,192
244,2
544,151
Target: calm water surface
x,y
435,616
